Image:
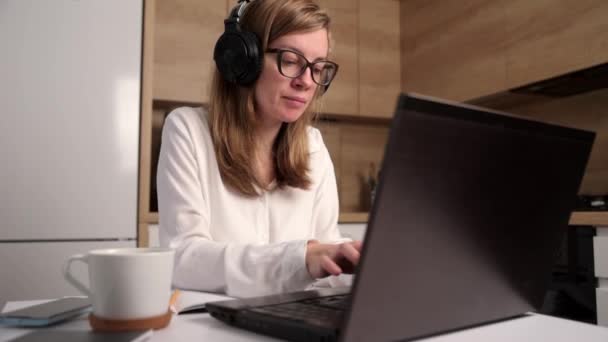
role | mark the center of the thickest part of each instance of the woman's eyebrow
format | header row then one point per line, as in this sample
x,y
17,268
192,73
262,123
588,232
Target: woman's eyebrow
x,y
289,47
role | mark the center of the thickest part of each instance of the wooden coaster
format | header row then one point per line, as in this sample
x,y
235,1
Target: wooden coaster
x,y
102,324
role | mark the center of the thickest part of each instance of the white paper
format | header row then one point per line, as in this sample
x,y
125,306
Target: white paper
x,y
189,300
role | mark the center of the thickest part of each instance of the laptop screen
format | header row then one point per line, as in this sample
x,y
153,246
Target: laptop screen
x,y
470,209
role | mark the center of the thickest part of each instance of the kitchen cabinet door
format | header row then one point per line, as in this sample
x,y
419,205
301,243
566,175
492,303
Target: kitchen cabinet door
x,y
454,50
379,57
343,95
185,35
551,38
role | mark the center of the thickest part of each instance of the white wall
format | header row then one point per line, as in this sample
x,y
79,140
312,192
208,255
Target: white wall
x,y
355,231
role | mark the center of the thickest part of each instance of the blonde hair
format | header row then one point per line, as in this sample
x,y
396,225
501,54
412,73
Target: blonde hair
x,y
231,108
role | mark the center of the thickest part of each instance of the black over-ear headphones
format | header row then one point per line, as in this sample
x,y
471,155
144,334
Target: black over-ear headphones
x,y
238,53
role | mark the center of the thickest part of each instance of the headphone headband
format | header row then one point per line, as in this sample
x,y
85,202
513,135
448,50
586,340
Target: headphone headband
x,y
236,13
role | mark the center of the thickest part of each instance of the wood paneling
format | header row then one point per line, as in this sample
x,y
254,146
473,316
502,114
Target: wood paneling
x,y
469,49
143,238
353,147
350,5
420,43
366,36
331,132
186,32
549,37
361,146
145,137
343,95
578,218
230,4
454,50
589,218
379,57
354,217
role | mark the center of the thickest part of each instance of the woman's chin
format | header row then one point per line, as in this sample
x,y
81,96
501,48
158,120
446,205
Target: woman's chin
x,y
290,116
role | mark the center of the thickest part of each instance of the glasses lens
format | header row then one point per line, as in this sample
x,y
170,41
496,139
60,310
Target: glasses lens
x,y
292,64
323,72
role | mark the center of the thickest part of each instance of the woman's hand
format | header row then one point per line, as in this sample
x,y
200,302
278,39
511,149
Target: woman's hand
x,y
323,260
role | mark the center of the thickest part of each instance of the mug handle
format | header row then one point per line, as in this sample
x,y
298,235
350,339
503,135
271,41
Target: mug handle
x,y
70,278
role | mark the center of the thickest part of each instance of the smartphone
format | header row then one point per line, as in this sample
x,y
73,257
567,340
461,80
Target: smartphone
x,y
47,313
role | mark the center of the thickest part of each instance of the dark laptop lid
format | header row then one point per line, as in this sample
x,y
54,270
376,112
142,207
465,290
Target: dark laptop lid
x,y
469,211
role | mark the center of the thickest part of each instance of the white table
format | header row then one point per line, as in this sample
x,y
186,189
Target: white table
x,y
202,327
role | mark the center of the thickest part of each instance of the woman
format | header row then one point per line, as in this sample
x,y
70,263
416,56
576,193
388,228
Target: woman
x,y
247,192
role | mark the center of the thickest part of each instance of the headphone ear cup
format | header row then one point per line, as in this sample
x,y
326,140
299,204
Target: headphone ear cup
x,y
237,57
255,57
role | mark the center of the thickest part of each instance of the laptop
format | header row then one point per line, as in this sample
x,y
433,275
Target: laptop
x,y
470,209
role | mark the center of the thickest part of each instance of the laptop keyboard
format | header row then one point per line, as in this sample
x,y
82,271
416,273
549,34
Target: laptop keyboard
x,y
322,309
341,302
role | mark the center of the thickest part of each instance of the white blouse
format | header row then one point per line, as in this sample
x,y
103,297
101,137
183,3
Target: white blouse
x,y
229,243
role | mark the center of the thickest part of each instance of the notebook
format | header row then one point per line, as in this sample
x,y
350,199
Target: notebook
x,y
470,209
190,302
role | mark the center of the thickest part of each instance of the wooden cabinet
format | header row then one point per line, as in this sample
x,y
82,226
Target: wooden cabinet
x,y
379,57
549,37
184,38
340,5
468,50
453,50
366,46
343,95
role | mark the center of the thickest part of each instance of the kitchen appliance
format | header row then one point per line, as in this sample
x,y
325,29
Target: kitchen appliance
x,y
69,137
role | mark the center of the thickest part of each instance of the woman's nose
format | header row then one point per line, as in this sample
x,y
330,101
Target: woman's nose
x,y
305,80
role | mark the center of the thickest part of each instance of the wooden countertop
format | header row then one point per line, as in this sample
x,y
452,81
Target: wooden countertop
x,y
578,218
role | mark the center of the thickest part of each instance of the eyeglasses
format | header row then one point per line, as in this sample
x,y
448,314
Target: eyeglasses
x,y
293,64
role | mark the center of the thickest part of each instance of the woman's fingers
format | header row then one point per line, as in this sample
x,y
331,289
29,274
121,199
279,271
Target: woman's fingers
x,y
330,266
326,259
350,252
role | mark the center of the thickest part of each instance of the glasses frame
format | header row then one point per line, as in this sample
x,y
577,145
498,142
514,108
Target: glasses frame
x,y
309,64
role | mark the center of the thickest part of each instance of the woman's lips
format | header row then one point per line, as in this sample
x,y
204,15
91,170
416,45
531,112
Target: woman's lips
x,y
296,98
295,101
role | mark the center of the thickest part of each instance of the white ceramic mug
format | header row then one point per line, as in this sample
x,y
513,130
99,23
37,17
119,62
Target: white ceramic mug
x,y
126,283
